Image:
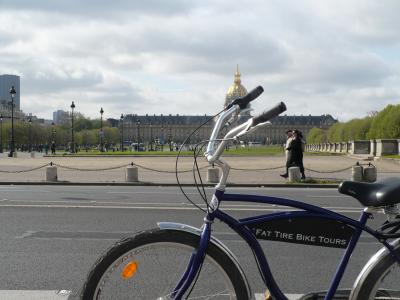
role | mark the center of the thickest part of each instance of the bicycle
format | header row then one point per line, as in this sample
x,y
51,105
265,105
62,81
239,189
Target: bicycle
x,y
178,261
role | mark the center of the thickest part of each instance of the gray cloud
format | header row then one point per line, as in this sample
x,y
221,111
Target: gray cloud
x,y
139,56
100,8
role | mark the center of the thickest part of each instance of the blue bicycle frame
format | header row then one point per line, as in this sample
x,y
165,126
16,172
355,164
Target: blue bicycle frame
x,y
241,227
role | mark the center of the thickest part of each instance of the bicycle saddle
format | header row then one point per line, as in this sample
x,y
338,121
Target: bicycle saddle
x,y
380,193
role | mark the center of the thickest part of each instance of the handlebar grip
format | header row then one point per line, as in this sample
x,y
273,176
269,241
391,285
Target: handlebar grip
x,y
269,114
243,101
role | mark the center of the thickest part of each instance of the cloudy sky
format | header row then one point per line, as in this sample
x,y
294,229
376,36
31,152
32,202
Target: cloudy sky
x,y
179,56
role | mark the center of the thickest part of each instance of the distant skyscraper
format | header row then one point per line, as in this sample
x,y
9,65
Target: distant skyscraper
x,y
6,82
60,117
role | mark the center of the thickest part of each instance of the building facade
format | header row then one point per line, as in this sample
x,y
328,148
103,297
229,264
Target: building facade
x,y
175,128
61,117
6,82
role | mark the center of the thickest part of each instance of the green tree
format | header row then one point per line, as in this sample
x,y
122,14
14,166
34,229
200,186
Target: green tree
x,y
335,132
386,124
316,136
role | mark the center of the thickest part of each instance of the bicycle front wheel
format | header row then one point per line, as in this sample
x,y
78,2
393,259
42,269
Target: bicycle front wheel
x,y
150,264
383,282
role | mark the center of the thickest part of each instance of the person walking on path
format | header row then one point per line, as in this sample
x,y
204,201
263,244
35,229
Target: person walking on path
x,y
289,134
296,152
53,147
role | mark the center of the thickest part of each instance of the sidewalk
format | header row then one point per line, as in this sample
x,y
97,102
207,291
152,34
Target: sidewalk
x,y
77,169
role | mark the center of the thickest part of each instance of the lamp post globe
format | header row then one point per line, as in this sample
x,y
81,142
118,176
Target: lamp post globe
x,y
12,142
72,128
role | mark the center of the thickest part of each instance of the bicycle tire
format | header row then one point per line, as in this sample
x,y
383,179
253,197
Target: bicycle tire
x,y
122,253
383,281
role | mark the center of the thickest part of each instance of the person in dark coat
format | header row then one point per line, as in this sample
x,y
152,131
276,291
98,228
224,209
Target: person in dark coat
x,y
295,157
289,134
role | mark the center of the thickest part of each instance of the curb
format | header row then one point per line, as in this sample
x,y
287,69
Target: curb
x,y
255,185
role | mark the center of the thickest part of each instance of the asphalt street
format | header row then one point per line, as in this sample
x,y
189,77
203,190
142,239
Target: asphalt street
x,y
51,235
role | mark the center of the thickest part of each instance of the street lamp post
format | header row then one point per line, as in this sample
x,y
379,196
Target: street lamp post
x,y
1,133
30,134
12,146
101,130
53,132
138,134
122,132
72,128
151,137
170,139
162,137
53,139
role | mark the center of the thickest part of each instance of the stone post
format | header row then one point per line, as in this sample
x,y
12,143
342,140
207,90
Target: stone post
x,y
294,174
343,147
357,173
213,175
351,147
370,173
337,147
51,173
132,174
372,151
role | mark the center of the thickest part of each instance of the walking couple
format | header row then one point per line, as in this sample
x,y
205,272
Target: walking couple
x,y
294,149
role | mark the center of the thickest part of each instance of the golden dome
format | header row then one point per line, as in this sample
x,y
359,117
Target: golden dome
x,y
236,90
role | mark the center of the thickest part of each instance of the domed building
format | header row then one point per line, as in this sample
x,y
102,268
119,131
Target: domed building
x,y
235,91
175,128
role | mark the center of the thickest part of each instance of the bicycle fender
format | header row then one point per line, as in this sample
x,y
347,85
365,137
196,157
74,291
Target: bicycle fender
x,y
369,267
215,241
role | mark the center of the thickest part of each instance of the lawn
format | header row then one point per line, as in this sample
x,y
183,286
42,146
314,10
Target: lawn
x,y
392,156
240,151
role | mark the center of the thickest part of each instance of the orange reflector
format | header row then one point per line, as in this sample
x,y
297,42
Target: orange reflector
x,y
129,270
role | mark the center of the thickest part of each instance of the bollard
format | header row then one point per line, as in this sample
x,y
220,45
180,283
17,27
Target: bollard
x,y
370,173
294,174
213,175
357,172
15,154
132,174
32,154
51,174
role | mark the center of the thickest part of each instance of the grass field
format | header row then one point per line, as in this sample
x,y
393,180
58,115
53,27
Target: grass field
x,y
232,151
240,151
392,156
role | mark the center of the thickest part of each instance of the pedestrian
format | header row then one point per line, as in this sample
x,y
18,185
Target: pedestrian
x,y
296,152
303,148
53,147
289,134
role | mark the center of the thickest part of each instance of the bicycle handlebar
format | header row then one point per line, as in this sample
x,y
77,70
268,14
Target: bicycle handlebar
x,y
243,101
269,114
213,153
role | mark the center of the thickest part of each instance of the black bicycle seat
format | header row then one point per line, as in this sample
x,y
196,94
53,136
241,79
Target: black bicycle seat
x,y
380,193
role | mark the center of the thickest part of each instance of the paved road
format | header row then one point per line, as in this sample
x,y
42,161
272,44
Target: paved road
x,y
50,236
258,170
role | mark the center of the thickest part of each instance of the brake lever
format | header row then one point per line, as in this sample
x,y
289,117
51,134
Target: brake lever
x,y
250,128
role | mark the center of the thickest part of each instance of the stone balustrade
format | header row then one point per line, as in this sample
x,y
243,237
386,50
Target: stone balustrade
x,y
377,147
